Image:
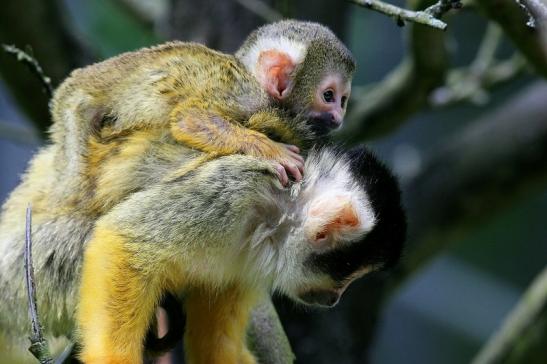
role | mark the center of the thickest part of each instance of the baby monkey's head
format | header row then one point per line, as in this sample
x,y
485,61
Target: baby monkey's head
x,y
304,67
350,221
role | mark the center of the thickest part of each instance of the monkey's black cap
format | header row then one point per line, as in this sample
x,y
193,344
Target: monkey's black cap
x,y
383,245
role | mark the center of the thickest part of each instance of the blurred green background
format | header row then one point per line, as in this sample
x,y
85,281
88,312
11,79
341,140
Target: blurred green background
x,y
475,190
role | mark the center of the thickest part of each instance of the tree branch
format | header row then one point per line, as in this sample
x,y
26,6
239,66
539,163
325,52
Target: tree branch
x,y
467,85
524,329
40,27
471,83
406,90
537,9
32,64
531,21
38,345
487,49
513,19
429,16
403,92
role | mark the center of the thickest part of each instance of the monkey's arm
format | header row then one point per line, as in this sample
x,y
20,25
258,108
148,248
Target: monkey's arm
x,y
194,124
266,335
154,242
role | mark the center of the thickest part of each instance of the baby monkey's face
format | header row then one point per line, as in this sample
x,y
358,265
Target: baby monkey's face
x,y
330,101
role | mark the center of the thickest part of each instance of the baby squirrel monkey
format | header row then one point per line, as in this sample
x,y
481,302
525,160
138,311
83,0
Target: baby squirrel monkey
x,y
290,81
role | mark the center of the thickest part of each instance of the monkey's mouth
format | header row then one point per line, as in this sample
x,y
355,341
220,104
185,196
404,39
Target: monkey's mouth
x,y
322,125
320,298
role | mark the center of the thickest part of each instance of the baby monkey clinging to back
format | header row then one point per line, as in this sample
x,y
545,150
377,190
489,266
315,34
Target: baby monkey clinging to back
x,y
290,82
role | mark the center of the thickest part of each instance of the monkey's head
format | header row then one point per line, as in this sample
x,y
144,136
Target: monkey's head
x,y
304,68
351,223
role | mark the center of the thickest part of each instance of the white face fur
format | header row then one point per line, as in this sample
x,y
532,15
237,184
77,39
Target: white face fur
x,y
327,210
295,50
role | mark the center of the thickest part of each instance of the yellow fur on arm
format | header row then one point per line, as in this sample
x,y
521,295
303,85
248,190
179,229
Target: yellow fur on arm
x,y
216,325
215,133
116,303
270,121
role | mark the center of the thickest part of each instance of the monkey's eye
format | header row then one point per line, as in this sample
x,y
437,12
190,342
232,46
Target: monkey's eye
x,y
328,96
343,101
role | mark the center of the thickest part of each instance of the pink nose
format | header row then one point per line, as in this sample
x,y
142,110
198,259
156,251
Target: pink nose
x,y
330,120
336,117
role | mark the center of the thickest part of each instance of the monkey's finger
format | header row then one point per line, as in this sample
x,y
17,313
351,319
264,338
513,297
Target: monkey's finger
x,y
297,157
294,171
300,165
292,148
282,174
297,162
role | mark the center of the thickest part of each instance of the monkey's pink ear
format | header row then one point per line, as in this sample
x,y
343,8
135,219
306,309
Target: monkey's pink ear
x,y
274,72
330,219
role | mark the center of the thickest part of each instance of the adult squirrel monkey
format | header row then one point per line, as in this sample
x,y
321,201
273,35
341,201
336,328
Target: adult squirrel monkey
x,y
289,82
219,236
225,234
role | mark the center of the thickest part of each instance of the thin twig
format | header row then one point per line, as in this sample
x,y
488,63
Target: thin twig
x,y
487,50
442,7
465,85
509,16
38,345
32,64
531,23
429,16
538,9
472,83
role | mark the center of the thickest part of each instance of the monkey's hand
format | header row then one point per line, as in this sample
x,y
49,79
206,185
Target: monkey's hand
x,y
212,133
289,161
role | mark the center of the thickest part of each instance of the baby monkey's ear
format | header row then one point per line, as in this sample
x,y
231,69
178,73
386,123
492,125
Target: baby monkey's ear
x,y
334,219
275,70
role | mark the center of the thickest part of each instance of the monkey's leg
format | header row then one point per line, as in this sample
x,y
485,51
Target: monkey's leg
x,y
216,326
117,302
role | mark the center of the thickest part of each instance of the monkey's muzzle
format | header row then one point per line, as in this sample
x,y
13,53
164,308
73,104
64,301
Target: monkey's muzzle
x,y
324,123
322,298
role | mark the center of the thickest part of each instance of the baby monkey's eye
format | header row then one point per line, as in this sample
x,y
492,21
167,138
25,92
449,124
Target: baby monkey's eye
x,y
343,101
328,96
